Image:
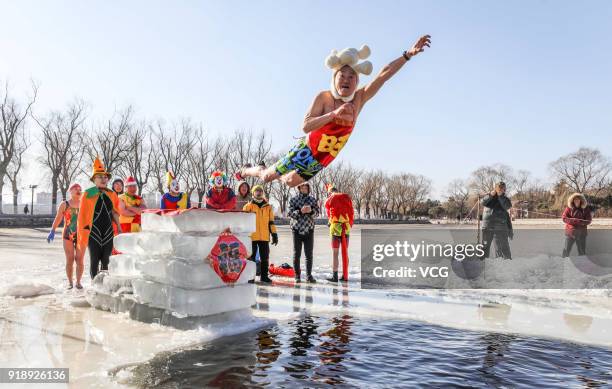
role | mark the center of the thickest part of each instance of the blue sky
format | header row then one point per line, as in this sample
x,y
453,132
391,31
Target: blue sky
x,y
516,82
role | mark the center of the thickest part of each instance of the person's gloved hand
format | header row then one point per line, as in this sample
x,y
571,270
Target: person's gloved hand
x,y
51,236
274,239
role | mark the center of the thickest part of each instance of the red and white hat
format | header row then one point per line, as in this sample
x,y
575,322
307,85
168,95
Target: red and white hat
x,y
130,181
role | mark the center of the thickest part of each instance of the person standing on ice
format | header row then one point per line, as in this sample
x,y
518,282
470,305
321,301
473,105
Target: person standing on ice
x,y
496,222
329,121
98,210
243,195
174,199
131,206
576,216
220,196
68,211
303,209
265,227
340,213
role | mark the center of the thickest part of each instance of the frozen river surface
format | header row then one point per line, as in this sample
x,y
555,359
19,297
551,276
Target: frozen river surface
x,y
309,334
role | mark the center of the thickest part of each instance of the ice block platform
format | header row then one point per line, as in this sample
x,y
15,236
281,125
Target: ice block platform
x,y
163,274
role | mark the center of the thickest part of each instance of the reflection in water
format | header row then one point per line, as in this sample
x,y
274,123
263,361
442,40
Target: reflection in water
x,y
262,303
333,350
348,351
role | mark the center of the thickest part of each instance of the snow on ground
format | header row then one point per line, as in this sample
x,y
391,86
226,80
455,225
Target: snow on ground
x,y
58,330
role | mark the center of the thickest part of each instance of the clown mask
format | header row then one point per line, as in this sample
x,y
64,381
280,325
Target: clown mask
x,y
218,182
175,187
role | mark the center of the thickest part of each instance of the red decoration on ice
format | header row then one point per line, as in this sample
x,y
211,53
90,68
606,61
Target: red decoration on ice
x,y
228,258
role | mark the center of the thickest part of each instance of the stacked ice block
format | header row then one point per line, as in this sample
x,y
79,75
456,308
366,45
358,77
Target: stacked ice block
x,y
165,267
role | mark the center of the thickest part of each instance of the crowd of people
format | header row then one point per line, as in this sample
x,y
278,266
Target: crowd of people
x,y
92,218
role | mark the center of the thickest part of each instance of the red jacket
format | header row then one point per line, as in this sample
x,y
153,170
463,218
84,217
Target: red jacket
x,y
576,219
220,199
339,205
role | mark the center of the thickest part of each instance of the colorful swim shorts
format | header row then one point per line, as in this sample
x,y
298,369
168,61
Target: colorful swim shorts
x,y
300,159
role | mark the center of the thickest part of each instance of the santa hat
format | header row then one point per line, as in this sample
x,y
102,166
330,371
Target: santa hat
x,y
130,181
348,57
98,169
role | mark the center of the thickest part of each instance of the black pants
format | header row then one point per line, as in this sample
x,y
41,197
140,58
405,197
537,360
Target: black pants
x,y
502,246
99,255
580,239
308,242
264,255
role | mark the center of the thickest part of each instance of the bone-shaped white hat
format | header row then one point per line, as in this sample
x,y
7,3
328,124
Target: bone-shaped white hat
x,y
350,56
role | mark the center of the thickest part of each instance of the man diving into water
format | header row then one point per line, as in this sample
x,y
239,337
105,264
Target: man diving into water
x,y
330,120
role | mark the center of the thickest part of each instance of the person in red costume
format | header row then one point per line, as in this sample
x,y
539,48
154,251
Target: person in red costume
x,y
220,196
329,121
340,213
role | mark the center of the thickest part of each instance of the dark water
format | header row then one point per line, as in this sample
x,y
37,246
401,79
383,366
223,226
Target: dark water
x,y
362,352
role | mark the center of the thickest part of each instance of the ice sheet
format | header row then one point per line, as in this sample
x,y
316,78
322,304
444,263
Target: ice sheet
x,y
171,244
193,302
200,221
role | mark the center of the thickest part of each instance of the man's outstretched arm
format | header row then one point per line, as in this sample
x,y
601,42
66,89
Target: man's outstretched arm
x,y
389,71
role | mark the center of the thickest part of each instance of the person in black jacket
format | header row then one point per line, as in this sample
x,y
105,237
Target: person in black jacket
x,y
496,222
303,209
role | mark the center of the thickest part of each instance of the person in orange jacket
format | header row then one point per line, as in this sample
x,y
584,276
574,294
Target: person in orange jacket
x,y
265,228
98,211
340,212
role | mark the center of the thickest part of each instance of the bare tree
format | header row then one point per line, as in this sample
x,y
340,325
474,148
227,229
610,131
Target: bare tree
x,y
200,163
14,168
13,118
172,147
417,187
280,192
484,178
140,156
111,141
372,183
70,169
60,137
459,192
584,170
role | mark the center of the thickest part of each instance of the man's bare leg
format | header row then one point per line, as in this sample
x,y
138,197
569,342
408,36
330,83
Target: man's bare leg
x,y
291,179
335,260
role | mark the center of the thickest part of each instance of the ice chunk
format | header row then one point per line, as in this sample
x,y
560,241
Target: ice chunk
x,y
190,276
194,302
203,221
26,290
125,264
171,244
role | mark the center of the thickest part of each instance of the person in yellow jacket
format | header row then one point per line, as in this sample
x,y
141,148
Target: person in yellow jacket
x,y
98,210
264,219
